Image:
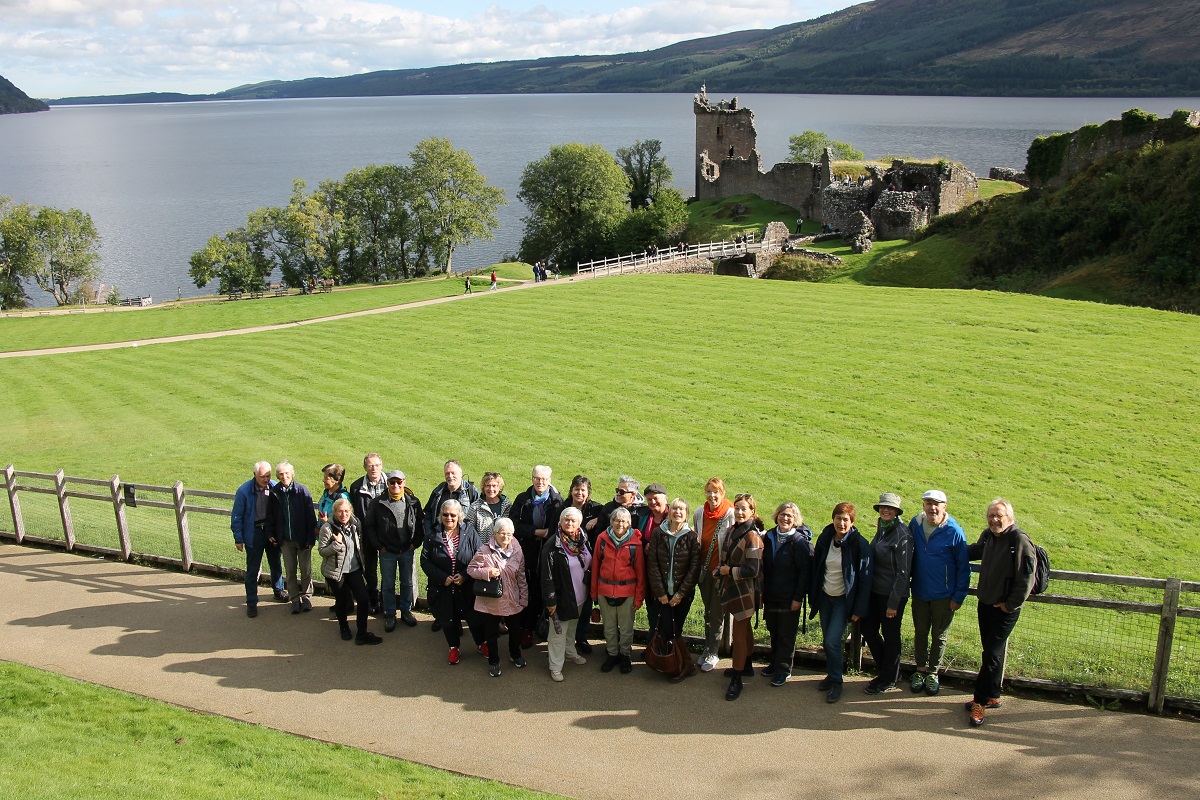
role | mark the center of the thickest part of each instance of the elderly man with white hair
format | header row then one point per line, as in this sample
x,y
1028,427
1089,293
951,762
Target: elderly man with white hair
x,y
531,513
249,524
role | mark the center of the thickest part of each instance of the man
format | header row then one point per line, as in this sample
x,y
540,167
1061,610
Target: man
x,y
362,493
453,488
941,577
248,522
530,513
394,526
628,497
1007,564
292,527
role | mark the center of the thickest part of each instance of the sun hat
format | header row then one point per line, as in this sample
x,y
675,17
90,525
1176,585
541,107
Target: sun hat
x,y
891,500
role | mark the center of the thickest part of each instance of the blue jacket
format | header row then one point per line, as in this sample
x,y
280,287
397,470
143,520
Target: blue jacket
x,y
856,571
940,566
241,521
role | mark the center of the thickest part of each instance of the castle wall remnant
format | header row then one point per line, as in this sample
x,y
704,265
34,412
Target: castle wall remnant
x,y
728,163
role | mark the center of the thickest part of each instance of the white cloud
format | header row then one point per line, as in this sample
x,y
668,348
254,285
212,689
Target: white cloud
x,y
56,48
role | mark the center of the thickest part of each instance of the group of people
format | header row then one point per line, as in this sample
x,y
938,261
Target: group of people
x,y
546,566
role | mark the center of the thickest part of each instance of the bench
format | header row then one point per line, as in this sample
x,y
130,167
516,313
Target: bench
x,y
135,301
235,294
279,289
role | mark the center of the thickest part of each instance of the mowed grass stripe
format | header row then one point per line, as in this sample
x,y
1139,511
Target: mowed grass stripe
x,y
1081,414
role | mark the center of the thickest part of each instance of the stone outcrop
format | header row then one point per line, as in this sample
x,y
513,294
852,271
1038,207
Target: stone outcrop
x,y
1008,174
859,233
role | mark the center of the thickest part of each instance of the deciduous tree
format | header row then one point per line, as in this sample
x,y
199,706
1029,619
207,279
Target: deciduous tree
x,y
810,146
646,169
55,249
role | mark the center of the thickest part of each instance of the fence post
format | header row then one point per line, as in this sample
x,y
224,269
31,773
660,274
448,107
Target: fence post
x,y
1166,640
118,499
181,521
64,509
14,504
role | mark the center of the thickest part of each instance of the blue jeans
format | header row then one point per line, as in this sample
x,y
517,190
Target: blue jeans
x,y
254,557
834,615
389,563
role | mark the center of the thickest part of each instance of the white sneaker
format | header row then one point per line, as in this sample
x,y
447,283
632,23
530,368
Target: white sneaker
x,y
577,659
556,676
707,661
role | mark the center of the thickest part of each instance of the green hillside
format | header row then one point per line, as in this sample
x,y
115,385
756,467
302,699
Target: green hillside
x,y
14,101
952,47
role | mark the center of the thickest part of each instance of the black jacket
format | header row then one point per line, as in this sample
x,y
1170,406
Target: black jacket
x,y
396,526
555,575
856,571
522,517
466,494
291,515
788,570
591,511
361,499
435,563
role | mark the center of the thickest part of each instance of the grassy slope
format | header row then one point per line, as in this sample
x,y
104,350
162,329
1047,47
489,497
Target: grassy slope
x,y
989,188
715,220
79,740
815,393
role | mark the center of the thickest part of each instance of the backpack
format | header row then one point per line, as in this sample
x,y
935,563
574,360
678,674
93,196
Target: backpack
x,y
1041,568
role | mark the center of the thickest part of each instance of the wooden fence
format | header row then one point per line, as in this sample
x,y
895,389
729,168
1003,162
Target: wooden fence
x,y
1139,643
633,262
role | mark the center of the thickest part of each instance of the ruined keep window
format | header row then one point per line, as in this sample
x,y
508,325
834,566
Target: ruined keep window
x,y
720,131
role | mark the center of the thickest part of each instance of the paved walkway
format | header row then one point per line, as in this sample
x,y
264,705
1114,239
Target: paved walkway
x,y
185,639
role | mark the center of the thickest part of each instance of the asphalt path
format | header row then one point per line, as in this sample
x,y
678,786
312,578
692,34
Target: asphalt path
x,y
185,639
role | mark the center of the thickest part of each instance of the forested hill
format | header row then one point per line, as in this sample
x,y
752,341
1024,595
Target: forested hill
x,y
14,101
928,47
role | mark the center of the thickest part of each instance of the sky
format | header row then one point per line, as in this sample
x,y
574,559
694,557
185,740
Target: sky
x,y
62,48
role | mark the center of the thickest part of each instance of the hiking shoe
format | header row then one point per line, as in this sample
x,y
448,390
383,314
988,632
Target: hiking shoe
x,y
825,685
878,688
610,663
346,634
707,661
520,663
367,638
408,619
976,714
932,684
295,608
389,624
452,659
917,684
779,680
556,676
305,604
494,670
627,665
251,611
281,596
835,693
583,646
767,671
577,659
990,704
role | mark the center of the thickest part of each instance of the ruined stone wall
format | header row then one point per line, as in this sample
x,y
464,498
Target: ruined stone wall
x,y
839,204
1008,174
954,188
793,184
684,266
897,214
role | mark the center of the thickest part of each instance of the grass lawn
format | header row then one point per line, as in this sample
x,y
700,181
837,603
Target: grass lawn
x,y
509,270
71,739
809,392
989,188
61,330
718,220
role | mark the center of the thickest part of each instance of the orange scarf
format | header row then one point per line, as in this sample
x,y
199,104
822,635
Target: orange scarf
x,y
709,527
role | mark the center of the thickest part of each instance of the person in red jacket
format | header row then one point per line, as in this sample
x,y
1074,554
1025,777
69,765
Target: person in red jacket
x,y
619,585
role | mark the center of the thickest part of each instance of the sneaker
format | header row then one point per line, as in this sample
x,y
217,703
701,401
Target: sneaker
x,y
295,608
367,638
556,676
835,693
520,663
932,684
610,663
494,670
626,665
452,659
917,684
305,604
825,685
707,661
389,624
976,714
281,596
346,633
251,611
878,688
483,649
779,680
408,619
584,647
577,659
767,671
990,704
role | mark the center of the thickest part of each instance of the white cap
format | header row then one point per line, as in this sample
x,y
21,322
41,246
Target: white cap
x,y
935,495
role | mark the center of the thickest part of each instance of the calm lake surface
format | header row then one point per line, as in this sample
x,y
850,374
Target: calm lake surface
x,y
159,180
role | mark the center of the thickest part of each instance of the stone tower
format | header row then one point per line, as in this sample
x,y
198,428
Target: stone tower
x,y
723,131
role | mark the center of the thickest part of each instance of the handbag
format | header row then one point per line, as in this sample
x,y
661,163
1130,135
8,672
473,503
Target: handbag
x,y
541,630
668,654
492,587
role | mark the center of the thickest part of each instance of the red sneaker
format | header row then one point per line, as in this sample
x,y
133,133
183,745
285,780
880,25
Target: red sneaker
x,y
452,659
483,649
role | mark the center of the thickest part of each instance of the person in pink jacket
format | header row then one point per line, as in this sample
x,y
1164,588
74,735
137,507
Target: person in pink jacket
x,y
500,557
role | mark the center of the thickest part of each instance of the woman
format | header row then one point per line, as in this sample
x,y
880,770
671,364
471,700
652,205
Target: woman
x,y
594,521
840,590
448,551
740,576
491,506
787,565
673,561
618,584
712,523
331,476
891,559
501,558
563,570
340,546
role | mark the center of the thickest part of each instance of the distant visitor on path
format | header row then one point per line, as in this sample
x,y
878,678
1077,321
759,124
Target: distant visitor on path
x,y
249,524
940,579
467,285
493,287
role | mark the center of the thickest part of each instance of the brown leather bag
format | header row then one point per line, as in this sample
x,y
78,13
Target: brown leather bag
x,y
668,653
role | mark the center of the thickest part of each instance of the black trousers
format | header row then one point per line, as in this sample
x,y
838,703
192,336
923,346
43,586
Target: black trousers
x,y
882,636
352,590
783,623
462,607
994,629
370,558
491,634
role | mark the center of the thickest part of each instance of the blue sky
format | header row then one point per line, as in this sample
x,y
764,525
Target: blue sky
x,y
59,48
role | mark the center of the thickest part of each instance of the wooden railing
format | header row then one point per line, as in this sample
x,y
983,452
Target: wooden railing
x,y
632,262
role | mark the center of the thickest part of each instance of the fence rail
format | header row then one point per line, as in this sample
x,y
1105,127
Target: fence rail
x,y
1127,637
632,262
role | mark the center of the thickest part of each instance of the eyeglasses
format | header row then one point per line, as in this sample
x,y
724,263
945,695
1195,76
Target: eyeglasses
x,y
737,497
449,516
626,491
